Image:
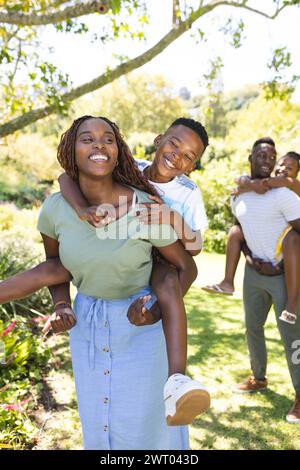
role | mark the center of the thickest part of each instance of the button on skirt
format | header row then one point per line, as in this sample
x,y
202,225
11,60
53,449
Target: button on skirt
x,y
120,371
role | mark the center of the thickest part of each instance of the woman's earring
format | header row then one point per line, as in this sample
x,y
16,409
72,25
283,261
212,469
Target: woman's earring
x,y
117,164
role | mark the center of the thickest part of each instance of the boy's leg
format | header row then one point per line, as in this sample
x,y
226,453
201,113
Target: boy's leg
x,y
291,256
166,286
48,273
184,398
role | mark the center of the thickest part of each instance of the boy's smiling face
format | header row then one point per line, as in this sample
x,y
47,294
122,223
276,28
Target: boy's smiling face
x,y
177,151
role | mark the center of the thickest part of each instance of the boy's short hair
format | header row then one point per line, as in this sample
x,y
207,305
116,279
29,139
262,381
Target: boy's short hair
x,y
264,140
294,155
196,126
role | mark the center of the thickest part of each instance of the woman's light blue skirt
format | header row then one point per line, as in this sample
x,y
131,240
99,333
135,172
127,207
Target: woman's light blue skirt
x,y
120,371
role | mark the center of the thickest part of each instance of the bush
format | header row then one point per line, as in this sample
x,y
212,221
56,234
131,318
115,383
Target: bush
x,y
24,352
215,241
17,430
18,254
23,355
28,168
227,158
23,196
216,182
21,222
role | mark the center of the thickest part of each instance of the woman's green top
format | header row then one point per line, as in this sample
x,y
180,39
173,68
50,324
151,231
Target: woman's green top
x,y
111,262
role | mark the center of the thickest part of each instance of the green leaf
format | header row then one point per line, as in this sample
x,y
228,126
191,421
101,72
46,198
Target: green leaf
x,y
116,6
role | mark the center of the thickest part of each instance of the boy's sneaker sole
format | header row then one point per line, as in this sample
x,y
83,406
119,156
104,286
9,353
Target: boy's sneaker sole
x,y
292,420
190,405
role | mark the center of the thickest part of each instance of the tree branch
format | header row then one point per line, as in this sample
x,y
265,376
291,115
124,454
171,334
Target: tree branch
x,y
102,6
109,76
175,8
246,7
32,116
81,9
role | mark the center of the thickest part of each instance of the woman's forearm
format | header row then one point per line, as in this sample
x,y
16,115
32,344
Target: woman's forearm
x,y
61,293
23,284
60,290
19,286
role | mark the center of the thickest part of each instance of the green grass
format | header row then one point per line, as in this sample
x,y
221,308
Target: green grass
x,y
218,356
211,271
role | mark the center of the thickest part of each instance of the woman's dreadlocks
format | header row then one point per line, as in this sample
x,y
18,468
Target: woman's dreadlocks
x,y
126,172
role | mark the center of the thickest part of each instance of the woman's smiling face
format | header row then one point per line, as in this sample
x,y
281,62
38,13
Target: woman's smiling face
x,y
96,149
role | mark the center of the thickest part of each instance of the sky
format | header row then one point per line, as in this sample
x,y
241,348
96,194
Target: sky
x,y
184,62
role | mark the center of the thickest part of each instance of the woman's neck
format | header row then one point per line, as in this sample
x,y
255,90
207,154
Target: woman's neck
x,y
97,191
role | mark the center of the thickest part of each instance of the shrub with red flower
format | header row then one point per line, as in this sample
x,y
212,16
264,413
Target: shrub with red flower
x,y
9,328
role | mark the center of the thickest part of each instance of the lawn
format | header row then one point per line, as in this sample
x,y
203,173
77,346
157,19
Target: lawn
x,y
218,356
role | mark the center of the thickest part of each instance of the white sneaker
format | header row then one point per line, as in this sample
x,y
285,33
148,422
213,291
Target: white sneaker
x,y
184,399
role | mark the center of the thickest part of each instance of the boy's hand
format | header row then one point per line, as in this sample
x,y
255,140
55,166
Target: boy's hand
x,y
90,215
95,216
139,315
62,319
156,199
158,213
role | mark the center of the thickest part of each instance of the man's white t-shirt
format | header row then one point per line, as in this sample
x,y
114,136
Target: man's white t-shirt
x,y
264,217
184,196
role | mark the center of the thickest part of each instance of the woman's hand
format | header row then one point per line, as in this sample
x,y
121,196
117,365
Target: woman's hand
x,y
139,315
61,320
